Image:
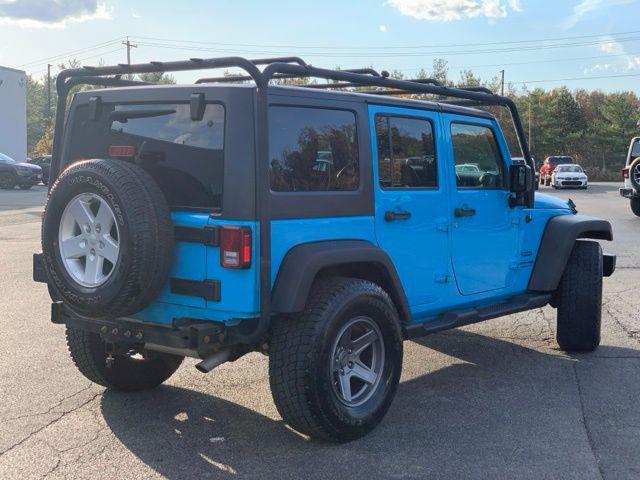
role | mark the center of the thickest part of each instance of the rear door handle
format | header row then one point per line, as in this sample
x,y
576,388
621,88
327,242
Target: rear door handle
x,y
464,212
391,215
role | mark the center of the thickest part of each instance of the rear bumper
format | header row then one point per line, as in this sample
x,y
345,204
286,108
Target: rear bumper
x,y
608,264
39,275
185,337
629,193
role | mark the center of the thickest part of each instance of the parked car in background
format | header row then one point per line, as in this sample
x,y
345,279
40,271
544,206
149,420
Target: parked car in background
x,y
631,175
565,176
13,173
43,162
550,164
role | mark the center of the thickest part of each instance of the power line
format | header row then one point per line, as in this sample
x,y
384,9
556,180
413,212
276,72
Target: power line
x,y
600,77
71,52
389,47
98,55
381,54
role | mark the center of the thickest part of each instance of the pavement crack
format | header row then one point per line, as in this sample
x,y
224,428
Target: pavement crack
x,y
50,410
49,424
585,423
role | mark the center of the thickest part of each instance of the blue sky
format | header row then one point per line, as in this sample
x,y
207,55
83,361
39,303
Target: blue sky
x,y
484,35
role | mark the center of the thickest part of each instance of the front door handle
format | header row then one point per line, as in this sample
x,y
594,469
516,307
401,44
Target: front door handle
x,y
464,212
391,215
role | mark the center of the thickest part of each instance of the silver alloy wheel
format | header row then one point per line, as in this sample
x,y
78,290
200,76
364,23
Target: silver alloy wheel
x,y
357,361
89,240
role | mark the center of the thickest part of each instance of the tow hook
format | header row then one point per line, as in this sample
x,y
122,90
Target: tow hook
x,y
109,361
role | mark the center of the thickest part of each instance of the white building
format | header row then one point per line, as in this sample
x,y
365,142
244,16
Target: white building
x,y
13,113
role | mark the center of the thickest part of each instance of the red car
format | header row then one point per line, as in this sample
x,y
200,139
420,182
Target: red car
x,y
549,165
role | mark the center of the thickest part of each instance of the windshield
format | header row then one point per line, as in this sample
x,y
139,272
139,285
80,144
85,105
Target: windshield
x,y
5,159
571,169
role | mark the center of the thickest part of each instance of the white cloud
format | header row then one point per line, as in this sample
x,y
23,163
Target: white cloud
x,y
599,67
588,6
624,63
447,10
382,28
51,13
609,45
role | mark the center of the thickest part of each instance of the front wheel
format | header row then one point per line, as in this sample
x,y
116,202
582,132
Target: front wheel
x,y
579,299
334,370
635,206
133,371
7,181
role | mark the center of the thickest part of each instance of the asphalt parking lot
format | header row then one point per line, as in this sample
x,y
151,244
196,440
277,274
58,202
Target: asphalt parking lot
x,y
494,400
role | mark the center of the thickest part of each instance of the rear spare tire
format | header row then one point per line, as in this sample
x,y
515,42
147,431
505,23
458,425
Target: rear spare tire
x,y
634,174
107,238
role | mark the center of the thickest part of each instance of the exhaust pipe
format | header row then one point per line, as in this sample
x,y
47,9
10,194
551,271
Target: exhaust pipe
x,y
212,361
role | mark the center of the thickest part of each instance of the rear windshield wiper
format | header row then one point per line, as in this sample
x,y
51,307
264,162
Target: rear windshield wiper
x,y
124,115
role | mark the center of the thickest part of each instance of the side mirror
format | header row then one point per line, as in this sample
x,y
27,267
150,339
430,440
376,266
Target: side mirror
x,y
519,178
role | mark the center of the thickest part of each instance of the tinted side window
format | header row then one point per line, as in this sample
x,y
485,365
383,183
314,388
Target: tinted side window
x,y
635,150
478,162
185,157
406,153
312,149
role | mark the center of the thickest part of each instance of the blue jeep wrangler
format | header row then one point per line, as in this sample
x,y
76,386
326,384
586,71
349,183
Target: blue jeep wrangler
x,y
321,225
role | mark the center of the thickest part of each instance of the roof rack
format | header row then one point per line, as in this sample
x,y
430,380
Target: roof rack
x,y
275,69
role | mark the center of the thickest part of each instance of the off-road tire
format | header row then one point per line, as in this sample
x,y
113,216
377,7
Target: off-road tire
x,y
7,181
632,178
146,238
299,360
579,299
127,373
26,186
635,206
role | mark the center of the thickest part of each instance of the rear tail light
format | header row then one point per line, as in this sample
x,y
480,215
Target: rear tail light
x,y
625,172
124,151
235,247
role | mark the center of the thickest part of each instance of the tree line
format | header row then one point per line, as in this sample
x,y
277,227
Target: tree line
x,y
592,126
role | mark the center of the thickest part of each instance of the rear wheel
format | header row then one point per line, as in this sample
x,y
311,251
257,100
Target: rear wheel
x,y
7,181
127,372
579,299
635,206
335,370
26,186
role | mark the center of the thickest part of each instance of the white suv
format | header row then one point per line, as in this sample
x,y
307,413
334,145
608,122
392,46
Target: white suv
x,y
631,174
568,175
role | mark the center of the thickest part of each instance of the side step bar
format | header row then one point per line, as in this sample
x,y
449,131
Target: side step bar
x,y
459,318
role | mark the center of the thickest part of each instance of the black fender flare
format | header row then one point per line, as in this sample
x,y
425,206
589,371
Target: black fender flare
x,y
302,264
557,242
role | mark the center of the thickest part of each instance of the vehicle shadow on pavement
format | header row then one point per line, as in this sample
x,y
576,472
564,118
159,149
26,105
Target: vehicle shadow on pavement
x,y
487,408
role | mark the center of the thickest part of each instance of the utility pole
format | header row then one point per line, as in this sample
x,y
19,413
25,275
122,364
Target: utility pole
x,y
49,92
129,46
529,122
502,83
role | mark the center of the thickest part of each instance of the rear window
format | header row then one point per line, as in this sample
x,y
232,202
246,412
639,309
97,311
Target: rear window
x,y
312,150
185,157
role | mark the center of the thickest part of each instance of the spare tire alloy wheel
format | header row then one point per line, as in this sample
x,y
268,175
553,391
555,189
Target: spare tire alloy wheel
x,y
89,240
107,238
